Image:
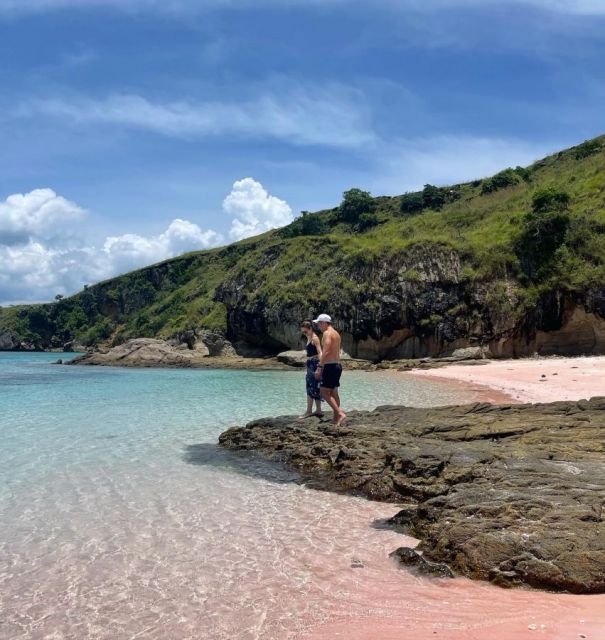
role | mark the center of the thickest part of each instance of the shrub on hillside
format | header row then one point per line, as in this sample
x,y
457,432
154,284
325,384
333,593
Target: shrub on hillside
x,y
97,333
307,224
550,199
523,173
587,149
366,221
507,178
586,236
412,202
354,203
433,197
543,229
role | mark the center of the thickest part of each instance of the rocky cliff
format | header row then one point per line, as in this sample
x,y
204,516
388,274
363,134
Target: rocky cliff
x,y
417,303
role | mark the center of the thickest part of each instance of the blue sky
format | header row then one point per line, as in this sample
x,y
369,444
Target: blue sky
x,y
126,123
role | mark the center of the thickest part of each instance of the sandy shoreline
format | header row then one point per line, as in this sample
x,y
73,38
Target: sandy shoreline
x,y
532,380
569,616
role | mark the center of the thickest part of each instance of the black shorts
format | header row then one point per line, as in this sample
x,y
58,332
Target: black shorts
x,y
330,375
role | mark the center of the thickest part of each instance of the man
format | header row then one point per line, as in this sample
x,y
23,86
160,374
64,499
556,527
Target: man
x,y
330,369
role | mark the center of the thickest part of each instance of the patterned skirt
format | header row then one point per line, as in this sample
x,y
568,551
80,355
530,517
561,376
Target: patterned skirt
x,y
312,383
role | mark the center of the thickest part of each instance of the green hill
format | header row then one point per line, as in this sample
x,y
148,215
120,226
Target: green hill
x,y
514,263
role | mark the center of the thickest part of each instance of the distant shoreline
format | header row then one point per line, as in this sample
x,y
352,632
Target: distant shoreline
x,y
534,380
522,380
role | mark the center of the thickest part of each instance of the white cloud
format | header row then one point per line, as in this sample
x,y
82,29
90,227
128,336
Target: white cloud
x,y
128,251
43,251
253,210
41,213
327,116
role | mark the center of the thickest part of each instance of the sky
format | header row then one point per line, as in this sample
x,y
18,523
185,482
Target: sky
x,y
135,130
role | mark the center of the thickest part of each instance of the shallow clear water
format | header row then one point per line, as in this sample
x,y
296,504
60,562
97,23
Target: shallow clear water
x,y
121,518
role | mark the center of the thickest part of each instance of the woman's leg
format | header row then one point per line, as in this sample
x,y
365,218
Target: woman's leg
x,y
309,411
318,410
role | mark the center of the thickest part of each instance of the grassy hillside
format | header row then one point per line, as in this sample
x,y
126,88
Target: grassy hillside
x,y
539,230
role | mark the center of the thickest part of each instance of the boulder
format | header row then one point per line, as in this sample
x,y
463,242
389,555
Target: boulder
x,y
293,358
411,558
215,343
8,341
74,345
467,353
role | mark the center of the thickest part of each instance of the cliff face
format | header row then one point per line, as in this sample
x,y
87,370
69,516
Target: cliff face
x,y
417,304
503,268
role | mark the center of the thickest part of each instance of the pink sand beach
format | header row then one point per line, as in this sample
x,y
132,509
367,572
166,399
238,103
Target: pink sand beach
x,y
414,608
531,380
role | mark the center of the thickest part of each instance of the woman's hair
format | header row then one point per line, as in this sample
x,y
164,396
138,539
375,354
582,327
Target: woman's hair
x,y
307,324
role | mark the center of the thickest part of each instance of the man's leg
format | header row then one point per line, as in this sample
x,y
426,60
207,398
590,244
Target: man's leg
x,y
336,396
326,394
341,416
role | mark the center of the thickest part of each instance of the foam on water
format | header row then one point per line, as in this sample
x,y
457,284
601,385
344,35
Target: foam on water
x,y
121,518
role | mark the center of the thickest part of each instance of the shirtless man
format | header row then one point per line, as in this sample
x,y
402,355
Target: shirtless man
x,y
330,369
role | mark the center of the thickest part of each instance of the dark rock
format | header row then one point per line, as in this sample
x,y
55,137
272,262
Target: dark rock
x,y
411,558
403,519
511,493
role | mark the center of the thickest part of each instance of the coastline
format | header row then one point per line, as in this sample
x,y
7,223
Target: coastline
x,y
480,391
546,379
494,492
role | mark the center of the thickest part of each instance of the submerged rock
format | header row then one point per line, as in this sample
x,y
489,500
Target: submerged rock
x,y
411,558
513,493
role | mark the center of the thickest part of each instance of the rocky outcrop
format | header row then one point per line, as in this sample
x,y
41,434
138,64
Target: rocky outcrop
x,y
142,352
9,341
512,494
149,352
205,342
293,358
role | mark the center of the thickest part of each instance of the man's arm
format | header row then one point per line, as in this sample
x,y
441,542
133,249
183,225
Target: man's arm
x,y
325,347
317,343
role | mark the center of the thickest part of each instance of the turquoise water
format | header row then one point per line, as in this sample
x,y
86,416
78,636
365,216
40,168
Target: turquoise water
x,y
120,518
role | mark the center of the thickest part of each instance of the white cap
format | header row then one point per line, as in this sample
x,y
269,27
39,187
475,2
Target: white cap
x,y
323,317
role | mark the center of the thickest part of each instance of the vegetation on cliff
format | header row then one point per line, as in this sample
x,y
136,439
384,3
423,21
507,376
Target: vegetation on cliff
x,y
467,261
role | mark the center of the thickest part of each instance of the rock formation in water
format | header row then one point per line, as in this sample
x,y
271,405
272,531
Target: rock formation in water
x,y
511,494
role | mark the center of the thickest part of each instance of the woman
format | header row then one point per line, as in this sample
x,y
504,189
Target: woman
x,y
313,349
